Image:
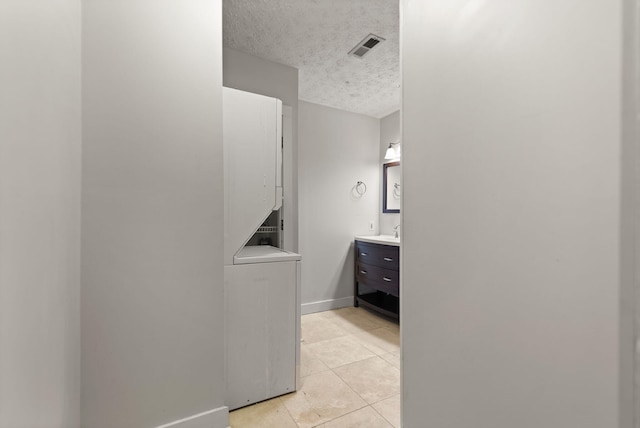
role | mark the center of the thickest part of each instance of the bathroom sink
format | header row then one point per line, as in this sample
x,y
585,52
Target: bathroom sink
x,y
380,239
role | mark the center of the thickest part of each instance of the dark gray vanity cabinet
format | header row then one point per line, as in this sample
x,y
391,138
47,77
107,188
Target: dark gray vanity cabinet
x,y
377,277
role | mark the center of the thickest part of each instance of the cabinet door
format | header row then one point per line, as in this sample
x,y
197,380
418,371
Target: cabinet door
x,y
260,315
385,256
378,278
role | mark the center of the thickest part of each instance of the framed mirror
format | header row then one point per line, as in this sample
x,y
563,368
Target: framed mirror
x,y
391,187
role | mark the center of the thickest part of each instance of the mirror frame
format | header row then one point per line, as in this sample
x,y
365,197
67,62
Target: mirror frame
x,y
384,187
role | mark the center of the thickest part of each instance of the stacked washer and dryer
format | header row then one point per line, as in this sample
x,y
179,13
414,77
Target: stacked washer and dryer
x,y
262,282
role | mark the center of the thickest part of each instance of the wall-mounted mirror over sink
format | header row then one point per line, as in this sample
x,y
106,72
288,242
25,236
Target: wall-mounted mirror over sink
x,y
391,188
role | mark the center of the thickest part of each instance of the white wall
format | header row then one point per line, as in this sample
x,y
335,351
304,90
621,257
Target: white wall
x,y
152,274
336,149
630,295
260,76
512,234
389,133
39,214
257,75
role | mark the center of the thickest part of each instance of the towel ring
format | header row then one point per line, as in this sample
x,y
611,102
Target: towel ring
x,y
361,188
396,190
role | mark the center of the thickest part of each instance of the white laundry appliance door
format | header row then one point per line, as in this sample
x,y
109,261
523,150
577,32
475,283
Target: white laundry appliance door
x,y
252,135
262,338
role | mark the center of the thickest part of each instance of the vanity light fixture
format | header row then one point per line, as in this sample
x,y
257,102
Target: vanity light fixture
x,y
393,153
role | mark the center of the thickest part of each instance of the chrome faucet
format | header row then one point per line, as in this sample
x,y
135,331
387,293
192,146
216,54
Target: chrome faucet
x,y
396,229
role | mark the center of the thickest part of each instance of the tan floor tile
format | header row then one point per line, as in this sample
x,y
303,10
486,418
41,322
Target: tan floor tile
x,y
323,397
373,379
390,325
348,311
309,363
268,414
355,321
390,409
372,315
316,316
392,358
316,330
339,351
363,418
323,315
380,341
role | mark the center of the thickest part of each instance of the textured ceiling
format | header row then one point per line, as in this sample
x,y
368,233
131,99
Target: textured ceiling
x,y
315,37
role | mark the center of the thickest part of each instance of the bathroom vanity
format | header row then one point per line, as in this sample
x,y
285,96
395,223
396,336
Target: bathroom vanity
x,y
377,274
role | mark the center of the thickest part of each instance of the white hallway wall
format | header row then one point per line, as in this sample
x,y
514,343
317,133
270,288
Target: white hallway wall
x,y
152,274
630,265
336,149
512,151
40,214
631,208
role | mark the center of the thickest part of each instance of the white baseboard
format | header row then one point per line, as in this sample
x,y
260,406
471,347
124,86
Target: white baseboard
x,y
216,418
326,305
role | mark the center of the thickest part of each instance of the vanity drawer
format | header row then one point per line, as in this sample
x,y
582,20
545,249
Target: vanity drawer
x,y
382,279
385,256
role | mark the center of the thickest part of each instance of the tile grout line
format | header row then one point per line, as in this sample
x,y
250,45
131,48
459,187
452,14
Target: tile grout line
x,y
351,335
345,381
352,390
353,411
381,415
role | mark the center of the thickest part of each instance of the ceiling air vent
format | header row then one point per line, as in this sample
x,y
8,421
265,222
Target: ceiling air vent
x,y
366,45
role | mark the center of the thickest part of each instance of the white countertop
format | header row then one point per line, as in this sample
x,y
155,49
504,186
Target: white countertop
x,y
263,254
380,239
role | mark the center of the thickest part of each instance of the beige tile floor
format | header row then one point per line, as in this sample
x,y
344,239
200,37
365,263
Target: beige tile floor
x,y
350,370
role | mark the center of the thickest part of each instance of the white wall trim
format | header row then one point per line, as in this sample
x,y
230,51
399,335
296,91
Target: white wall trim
x,y
326,305
216,418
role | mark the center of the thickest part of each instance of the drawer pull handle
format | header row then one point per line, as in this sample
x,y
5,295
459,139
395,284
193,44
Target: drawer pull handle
x,y
386,279
364,272
363,254
388,259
